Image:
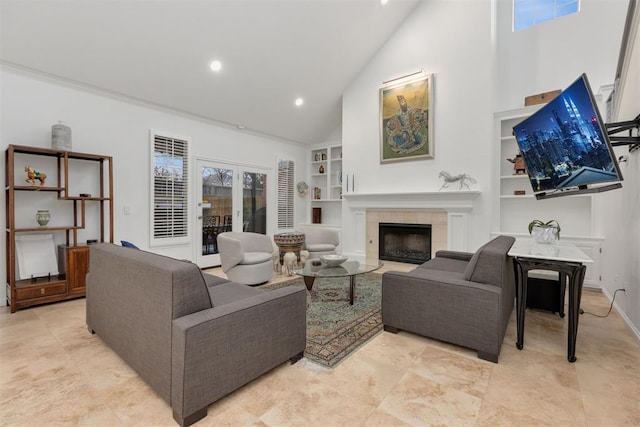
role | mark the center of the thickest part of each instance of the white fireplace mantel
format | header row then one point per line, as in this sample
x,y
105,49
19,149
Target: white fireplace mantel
x,y
457,204
446,200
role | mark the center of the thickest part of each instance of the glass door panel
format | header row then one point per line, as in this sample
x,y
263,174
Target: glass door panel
x,y
254,202
229,198
215,205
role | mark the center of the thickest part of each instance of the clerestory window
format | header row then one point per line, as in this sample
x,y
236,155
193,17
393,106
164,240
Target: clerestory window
x,y
527,13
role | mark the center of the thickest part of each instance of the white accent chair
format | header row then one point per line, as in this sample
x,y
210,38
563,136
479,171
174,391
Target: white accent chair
x,y
320,241
246,257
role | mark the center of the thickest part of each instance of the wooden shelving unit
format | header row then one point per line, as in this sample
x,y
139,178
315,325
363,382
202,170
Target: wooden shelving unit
x,y
74,255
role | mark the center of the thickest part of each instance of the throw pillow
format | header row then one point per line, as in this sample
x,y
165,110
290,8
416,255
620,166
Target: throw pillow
x,y
126,244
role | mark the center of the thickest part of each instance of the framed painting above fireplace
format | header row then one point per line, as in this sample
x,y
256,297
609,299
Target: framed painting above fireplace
x,y
406,120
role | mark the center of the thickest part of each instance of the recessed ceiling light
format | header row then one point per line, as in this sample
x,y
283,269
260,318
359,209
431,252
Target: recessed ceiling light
x,y
383,2
299,102
215,66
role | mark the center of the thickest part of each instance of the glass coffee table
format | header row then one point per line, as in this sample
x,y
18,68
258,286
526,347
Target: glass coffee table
x,y
314,268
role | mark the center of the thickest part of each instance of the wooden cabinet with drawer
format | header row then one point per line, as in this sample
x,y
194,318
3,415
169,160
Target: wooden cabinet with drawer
x,y
77,268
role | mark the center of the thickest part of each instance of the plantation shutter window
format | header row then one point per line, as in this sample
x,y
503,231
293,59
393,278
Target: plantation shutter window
x,y
170,202
286,177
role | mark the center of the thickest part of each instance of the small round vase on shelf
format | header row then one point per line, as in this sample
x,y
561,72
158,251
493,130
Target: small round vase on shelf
x,y
43,216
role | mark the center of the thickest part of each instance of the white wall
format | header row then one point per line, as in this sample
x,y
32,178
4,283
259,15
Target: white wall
x,y
110,126
621,252
553,54
452,40
621,248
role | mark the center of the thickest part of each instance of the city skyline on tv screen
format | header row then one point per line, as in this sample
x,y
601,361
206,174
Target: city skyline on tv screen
x,y
563,143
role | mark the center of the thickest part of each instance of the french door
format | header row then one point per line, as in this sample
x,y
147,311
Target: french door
x,y
229,197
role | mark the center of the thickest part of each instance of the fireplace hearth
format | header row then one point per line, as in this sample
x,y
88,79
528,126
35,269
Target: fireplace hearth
x,y
410,243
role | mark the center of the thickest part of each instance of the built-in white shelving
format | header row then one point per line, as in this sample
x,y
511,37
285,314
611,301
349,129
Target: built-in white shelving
x,y
576,214
326,182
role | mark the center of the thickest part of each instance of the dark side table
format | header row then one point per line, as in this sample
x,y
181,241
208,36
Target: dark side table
x,y
564,258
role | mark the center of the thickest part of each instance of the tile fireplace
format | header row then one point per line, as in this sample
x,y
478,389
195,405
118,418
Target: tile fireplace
x,y
446,211
410,243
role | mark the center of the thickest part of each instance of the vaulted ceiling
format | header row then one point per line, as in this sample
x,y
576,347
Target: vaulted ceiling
x,y
158,52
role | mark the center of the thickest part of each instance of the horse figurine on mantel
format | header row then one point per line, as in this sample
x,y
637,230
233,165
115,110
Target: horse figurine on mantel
x,y
463,179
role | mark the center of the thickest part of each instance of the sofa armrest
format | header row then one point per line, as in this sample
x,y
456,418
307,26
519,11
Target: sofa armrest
x,y
463,256
216,351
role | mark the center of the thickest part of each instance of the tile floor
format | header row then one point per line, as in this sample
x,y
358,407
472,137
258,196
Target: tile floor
x,y
53,372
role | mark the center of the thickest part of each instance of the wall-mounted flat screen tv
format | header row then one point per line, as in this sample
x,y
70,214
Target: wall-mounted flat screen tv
x,y
565,146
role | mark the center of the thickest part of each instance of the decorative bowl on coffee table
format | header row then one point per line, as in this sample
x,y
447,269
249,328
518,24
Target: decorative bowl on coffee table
x,y
333,260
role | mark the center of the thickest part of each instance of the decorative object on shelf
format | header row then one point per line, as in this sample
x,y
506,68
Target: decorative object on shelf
x,y
406,120
33,176
333,260
321,169
316,193
340,176
317,157
545,232
519,192
61,137
541,98
85,194
43,216
303,188
519,168
462,179
324,156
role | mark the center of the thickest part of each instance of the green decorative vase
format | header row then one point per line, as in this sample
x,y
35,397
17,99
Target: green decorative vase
x,y
43,216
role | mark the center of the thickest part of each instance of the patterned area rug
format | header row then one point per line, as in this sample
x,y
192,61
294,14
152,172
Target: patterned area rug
x,y
334,328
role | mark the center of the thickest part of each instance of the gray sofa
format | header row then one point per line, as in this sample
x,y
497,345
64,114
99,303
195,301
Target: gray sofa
x,y
193,338
458,297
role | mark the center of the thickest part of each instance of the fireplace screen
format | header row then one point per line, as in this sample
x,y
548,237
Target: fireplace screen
x,y
410,243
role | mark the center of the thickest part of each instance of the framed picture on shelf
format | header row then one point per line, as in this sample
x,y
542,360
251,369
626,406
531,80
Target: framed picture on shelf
x,y
36,255
406,120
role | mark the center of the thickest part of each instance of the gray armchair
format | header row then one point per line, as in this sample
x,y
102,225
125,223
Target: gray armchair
x,y
458,297
246,257
320,241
